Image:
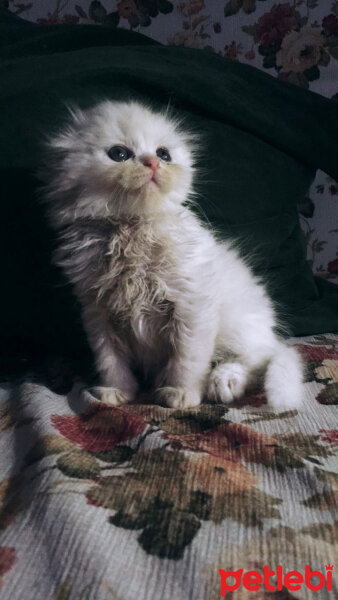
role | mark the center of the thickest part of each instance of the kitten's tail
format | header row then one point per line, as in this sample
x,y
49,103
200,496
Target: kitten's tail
x,y
284,378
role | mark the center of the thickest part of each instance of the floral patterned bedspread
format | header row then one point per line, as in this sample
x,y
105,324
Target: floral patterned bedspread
x,y
147,502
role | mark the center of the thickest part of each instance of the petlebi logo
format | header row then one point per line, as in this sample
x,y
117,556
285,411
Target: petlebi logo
x,y
291,580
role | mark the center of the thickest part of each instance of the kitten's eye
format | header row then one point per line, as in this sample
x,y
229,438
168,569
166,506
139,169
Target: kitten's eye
x,y
119,153
163,154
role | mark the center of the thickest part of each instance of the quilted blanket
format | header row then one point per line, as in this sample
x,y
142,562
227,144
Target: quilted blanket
x,y
146,502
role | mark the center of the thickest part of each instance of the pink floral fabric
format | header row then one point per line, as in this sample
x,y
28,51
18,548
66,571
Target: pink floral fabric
x,y
100,502
296,41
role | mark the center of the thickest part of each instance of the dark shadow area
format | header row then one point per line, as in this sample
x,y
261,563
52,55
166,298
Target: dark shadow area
x,y
39,316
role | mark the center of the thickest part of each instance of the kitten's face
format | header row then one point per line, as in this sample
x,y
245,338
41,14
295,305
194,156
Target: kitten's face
x,y
121,160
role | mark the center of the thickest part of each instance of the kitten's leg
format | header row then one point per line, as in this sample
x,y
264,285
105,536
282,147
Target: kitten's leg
x,y
181,383
120,385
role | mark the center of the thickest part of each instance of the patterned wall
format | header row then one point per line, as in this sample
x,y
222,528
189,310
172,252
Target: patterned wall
x,y
296,41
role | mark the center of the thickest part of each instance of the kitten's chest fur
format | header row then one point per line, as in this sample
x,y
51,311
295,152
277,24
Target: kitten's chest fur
x,y
137,264
132,287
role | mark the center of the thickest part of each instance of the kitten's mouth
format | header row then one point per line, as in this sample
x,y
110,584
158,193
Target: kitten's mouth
x,y
152,179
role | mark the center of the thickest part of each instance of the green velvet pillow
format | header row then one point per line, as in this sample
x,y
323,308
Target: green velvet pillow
x,y
264,140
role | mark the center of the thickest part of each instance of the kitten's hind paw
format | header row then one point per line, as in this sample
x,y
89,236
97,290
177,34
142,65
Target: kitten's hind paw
x,y
177,397
227,382
109,395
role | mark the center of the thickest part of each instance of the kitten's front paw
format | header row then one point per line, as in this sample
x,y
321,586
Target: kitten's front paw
x,y
112,396
177,397
227,382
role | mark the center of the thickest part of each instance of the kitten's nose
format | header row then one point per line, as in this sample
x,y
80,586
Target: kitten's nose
x,y
151,161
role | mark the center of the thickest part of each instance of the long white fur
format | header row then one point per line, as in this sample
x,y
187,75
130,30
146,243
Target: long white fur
x,y
164,302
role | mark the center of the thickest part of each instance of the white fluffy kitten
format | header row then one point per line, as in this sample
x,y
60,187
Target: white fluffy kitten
x,y
165,305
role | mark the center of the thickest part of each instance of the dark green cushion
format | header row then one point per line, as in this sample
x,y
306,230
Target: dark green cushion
x,y
264,140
